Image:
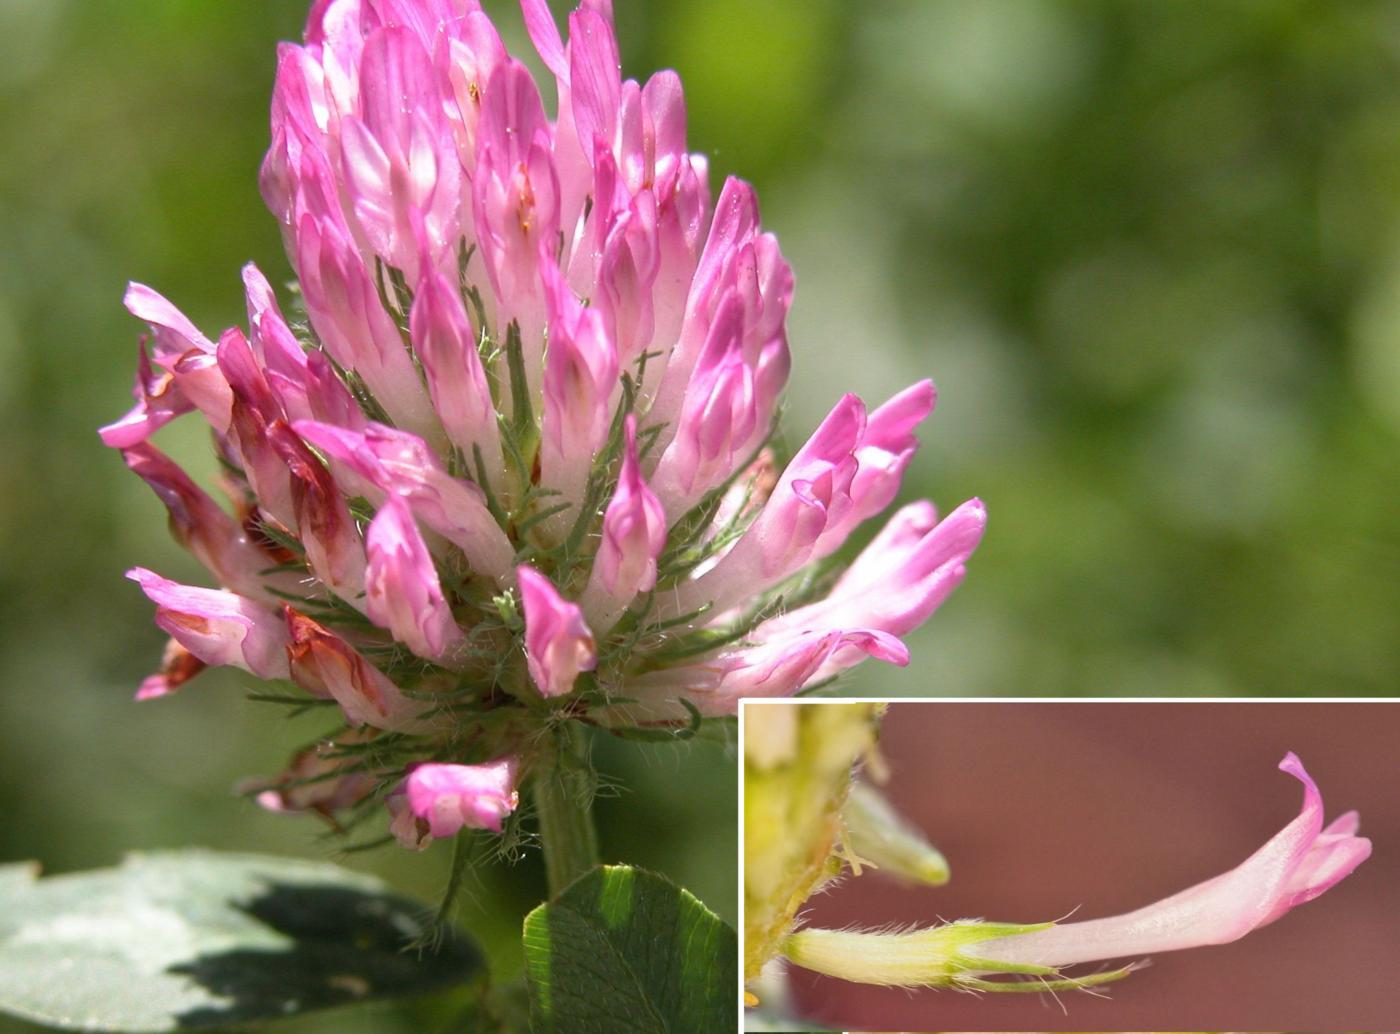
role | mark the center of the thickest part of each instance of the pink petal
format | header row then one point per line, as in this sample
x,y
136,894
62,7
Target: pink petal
x,y
455,797
595,81
177,666
402,586
359,334
558,643
544,34
778,667
885,450
581,371
215,538
446,343
398,463
217,627
327,666
812,495
900,578
174,333
634,534
158,401
325,526
1296,865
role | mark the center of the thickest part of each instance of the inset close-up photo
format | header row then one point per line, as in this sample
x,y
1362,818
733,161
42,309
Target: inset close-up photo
x,y
930,865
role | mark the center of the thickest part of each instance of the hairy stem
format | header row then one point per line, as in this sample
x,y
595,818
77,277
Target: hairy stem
x,y
564,806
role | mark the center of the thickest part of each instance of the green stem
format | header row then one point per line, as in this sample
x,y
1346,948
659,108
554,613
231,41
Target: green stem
x,y
564,807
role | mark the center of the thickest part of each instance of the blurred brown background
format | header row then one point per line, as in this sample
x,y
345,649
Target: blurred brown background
x,y
1045,808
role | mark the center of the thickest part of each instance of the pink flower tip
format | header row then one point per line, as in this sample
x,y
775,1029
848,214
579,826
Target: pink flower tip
x,y
558,642
1297,864
454,797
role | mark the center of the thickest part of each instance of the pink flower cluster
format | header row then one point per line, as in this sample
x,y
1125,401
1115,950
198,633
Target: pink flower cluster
x,y
515,457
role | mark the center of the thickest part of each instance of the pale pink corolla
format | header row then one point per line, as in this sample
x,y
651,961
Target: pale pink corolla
x,y
626,244
633,535
727,409
177,666
399,161
771,666
515,202
275,346
325,665
812,496
468,58
558,643
402,586
445,342
252,412
449,798
886,446
1301,861
188,376
217,627
718,271
895,583
355,329
335,550
398,463
850,468
580,371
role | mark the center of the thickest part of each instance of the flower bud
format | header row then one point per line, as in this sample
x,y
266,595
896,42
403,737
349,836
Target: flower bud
x,y
634,533
558,644
401,585
880,836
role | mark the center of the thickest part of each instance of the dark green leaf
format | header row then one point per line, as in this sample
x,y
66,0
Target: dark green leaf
x,y
192,939
625,949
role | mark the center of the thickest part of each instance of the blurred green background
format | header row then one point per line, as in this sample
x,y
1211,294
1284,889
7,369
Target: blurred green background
x,y
1150,252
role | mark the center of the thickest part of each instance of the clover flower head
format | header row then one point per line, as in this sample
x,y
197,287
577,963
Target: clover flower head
x,y
508,461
